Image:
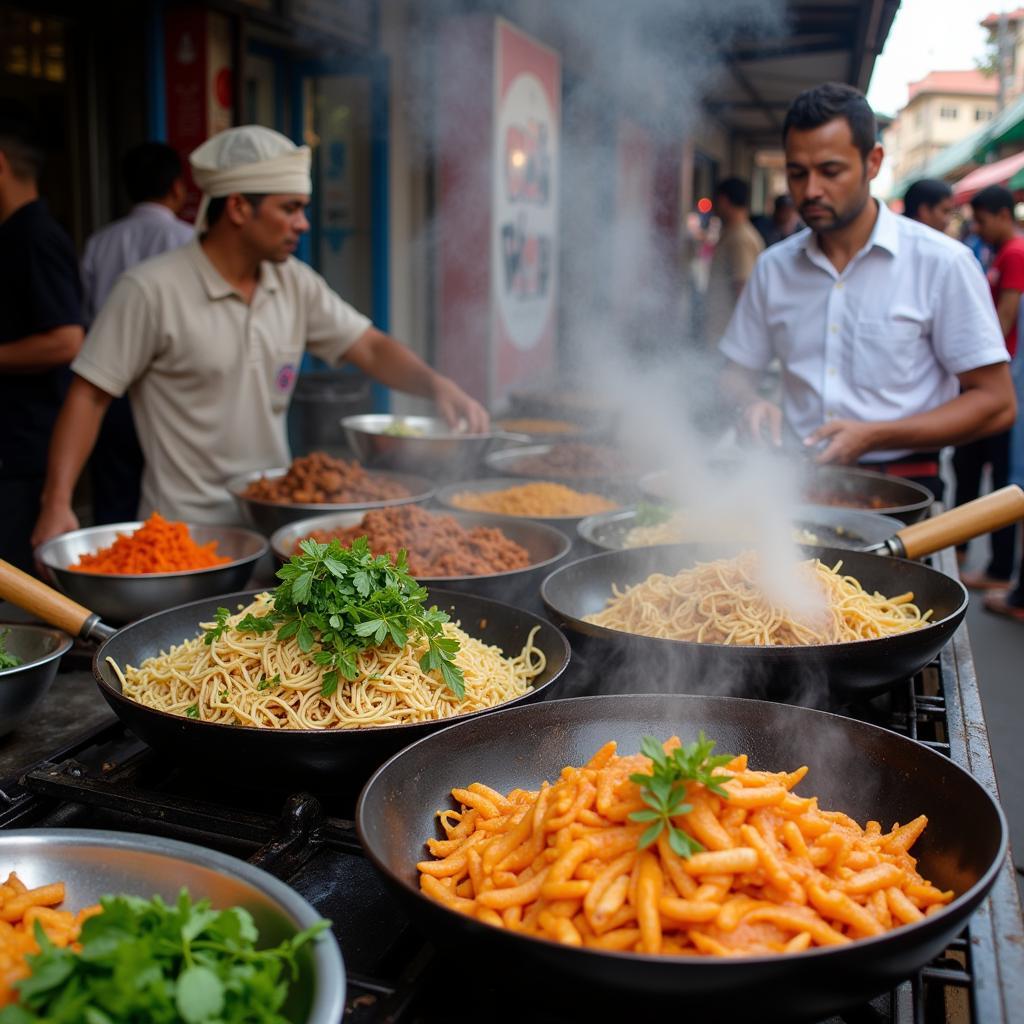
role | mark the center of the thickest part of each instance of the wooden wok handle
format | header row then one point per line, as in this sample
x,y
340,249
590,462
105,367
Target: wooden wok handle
x,y
983,515
44,602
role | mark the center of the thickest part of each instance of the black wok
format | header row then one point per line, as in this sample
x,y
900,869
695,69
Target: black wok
x,y
342,752
868,772
798,674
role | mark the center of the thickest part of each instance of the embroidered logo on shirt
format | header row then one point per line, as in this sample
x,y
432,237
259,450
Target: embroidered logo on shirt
x,y
285,377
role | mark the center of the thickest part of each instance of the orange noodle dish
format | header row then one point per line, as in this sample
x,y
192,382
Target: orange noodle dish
x,y
673,851
158,545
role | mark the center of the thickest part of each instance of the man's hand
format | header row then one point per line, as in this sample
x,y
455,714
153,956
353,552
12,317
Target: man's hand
x,y
53,520
845,441
456,406
761,423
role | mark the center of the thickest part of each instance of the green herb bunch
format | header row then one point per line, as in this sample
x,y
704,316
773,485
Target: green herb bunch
x,y
651,515
144,961
344,600
664,790
7,660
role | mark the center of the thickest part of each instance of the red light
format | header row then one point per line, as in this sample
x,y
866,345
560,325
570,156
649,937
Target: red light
x,y
704,205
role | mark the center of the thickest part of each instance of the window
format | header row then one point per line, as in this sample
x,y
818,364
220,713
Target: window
x,y
948,113
982,115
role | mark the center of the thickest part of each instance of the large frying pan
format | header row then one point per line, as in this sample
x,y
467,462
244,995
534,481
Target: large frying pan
x,y
868,772
798,674
342,753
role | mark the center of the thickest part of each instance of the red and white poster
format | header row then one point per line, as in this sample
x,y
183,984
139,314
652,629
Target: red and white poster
x,y
198,82
499,123
524,226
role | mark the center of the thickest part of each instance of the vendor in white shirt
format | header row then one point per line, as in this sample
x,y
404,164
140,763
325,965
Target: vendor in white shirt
x,y
884,328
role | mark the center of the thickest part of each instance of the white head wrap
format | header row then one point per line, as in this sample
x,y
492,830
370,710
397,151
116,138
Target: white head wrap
x,y
248,159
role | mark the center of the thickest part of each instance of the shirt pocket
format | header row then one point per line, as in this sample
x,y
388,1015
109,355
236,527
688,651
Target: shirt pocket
x,y
887,353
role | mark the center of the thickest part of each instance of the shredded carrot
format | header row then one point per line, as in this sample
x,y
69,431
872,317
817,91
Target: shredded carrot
x,y
159,545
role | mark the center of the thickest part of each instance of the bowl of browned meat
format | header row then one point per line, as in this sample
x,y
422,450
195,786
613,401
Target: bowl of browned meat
x,y
318,483
472,552
570,461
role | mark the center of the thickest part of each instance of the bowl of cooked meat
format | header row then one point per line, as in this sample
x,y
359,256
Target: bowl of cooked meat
x,y
319,483
468,551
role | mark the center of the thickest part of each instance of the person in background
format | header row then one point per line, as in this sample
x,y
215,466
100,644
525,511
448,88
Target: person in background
x,y
40,330
884,329
735,253
207,340
785,220
929,201
155,184
993,212
970,237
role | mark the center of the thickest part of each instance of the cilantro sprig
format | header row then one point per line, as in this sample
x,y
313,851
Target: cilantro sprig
x,y
664,789
7,660
651,515
145,960
337,601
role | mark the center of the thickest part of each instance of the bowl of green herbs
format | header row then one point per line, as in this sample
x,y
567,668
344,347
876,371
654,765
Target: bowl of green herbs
x,y
29,657
184,934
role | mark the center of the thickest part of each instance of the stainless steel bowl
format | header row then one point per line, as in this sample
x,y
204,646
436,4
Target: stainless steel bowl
x,y
902,499
433,448
120,599
269,516
510,462
24,686
835,527
94,863
567,524
545,545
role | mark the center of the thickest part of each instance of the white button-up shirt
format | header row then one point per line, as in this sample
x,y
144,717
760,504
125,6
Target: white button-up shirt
x,y
149,230
882,340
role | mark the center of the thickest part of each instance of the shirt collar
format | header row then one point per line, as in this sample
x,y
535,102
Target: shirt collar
x,y
153,209
214,283
885,234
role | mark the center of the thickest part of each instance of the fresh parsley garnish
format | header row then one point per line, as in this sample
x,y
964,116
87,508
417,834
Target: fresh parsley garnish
x,y
7,660
142,960
192,711
664,790
651,515
215,632
338,601
265,684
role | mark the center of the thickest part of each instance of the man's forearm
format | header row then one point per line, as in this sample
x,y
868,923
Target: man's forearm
x,y
74,437
40,352
969,416
392,364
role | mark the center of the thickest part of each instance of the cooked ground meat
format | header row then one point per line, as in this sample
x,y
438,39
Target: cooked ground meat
x,y
437,545
319,479
574,460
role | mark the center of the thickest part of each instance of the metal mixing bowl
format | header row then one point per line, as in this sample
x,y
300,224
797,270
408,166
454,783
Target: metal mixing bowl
x,y
94,863
545,545
833,526
432,447
269,516
567,524
24,686
119,599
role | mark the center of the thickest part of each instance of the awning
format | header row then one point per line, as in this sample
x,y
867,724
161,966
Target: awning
x,y
998,173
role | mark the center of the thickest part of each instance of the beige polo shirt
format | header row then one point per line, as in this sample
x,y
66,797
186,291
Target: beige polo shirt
x,y
209,375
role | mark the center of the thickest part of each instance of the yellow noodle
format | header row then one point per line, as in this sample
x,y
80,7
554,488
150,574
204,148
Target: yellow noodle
x,y
220,682
724,602
675,530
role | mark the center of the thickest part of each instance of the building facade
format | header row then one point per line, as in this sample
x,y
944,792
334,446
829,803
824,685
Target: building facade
x,y
943,108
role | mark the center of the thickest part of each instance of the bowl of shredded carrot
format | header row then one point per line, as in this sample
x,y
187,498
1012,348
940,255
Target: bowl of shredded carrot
x,y
125,571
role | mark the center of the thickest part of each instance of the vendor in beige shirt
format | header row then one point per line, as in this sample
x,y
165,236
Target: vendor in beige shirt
x,y
733,261
207,341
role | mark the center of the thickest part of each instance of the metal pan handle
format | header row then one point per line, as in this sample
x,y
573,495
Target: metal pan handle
x,y
47,604
983,515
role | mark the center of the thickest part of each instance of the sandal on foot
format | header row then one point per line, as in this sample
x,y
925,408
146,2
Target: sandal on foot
x,y
997,604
